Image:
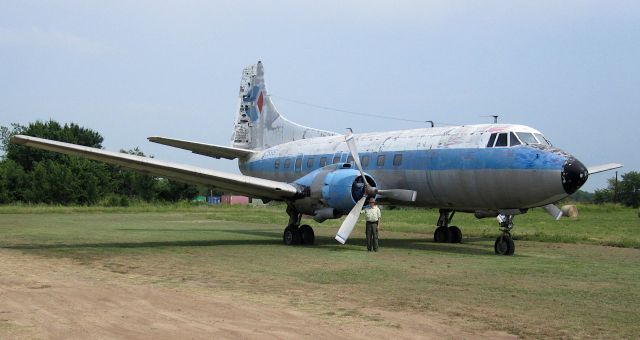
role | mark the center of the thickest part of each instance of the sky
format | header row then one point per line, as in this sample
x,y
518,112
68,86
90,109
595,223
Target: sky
x,y
133,69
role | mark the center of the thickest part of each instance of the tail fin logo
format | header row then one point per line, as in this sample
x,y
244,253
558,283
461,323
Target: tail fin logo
x,y
260,102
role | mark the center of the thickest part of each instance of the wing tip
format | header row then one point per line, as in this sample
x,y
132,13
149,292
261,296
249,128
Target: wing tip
x,y
19,139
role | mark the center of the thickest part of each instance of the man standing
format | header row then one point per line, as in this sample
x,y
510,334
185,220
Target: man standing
x,y
372,214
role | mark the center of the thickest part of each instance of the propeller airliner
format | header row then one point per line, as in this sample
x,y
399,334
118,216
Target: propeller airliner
x,y
490,170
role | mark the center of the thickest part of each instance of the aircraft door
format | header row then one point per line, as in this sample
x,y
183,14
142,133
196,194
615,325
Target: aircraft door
x,y
298,165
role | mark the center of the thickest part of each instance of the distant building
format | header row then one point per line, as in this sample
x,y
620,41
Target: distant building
x,y
233,199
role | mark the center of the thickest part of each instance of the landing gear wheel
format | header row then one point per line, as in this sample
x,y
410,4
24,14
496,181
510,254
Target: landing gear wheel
x,y
441,235
456,234
291,236
504,245
306,235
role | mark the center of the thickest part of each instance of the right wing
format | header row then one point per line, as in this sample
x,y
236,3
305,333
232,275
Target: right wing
x,y
216,151
604,167
241,184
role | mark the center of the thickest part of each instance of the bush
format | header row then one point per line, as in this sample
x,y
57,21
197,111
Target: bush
x,y
114,200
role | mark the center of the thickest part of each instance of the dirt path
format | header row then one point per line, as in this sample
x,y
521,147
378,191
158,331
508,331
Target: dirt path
x,y
57,298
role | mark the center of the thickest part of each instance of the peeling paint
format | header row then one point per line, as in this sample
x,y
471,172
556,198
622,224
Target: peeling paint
x,y
258,125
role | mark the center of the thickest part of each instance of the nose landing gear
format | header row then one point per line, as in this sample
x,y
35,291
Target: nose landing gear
x,y
504,244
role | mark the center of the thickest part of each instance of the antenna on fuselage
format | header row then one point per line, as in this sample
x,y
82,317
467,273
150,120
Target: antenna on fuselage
x,y
429,121
495,118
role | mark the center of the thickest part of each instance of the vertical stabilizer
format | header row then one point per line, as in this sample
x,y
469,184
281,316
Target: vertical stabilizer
x,y
258,125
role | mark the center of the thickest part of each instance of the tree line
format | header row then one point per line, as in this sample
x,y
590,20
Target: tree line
x,y
30,175
625,191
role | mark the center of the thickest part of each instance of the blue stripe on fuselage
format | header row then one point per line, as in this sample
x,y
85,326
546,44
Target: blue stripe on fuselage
x,y
520,157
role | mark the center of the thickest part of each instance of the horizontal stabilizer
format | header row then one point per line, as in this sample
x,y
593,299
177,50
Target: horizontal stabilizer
x,y
554,211
236,183
215,151
603,167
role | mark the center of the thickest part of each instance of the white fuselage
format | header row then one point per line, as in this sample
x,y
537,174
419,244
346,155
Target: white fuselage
x,y
450,167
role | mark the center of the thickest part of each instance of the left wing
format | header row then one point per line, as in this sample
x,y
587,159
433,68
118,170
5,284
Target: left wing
x,y
603,167
241,184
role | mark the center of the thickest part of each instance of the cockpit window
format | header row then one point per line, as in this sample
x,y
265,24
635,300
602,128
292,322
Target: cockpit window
x,y
513,140
502,140
492,140
527,138
542,139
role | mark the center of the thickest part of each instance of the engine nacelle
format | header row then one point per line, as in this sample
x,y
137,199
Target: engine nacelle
x,y
331,191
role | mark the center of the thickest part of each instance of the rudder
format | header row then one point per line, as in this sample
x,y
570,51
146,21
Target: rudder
x,y
258,125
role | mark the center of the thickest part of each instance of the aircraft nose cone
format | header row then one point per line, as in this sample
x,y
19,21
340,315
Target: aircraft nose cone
x,y
574,174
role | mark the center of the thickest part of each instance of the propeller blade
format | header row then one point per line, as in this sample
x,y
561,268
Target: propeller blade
x,y
351,144
398,194
350,222
554,211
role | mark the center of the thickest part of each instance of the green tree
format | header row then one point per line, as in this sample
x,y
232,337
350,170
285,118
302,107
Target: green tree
x,y
627,191
582,196
13,180
27,157
168,190
6,133
134,184
39,176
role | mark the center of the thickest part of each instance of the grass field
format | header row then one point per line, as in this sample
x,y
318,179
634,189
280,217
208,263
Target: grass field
x,y
565,280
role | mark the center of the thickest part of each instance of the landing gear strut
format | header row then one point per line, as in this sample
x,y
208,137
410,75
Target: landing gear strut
x,y
295,233
504,243
444,232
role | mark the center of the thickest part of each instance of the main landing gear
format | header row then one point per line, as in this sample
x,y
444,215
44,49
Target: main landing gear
x,y
295,233
504,243
445,233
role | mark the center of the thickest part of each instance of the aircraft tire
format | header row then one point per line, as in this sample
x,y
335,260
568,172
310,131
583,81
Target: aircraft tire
x,y
456,234
291,236
441,235
504,245
306,235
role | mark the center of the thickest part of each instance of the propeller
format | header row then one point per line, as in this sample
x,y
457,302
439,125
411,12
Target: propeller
x,y
352,218
554,211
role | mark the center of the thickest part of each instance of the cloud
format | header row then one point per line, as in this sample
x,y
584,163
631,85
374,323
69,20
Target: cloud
x,y
54,39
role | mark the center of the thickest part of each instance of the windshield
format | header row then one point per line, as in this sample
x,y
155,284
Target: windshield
x,y
527,138
542,139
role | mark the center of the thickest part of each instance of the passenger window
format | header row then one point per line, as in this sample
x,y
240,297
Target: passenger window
x,y
276,164
381,160
287,163
397,159
323,161
309,163
492,140
513,140
502,140
336,159
364,161
298,164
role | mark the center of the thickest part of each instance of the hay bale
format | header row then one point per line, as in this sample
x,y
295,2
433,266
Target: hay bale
x,y
569,210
